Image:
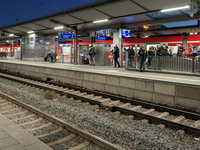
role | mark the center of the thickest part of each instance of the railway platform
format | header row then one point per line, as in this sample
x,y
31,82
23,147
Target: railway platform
x,y
169,89
13,137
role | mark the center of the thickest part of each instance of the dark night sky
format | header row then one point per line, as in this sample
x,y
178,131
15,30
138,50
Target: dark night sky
x,y
24,10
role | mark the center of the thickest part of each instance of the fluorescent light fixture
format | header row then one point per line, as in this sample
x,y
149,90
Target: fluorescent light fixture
x,y
7,41
191,33
99,21
61,27
11,35
173,9
195,33
146,36
30,32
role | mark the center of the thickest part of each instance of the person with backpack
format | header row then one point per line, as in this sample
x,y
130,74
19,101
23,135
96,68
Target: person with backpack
x,y
116,56
143,56
131,54
92,54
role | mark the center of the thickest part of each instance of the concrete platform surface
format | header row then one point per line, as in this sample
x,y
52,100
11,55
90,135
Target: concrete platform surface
x,y
109,70
13,137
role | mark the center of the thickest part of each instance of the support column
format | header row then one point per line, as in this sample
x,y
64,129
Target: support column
x,y
75,46
117,40
11,50
21,48
93,40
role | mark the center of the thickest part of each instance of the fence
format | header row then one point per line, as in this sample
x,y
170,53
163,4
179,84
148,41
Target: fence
x,y
186,64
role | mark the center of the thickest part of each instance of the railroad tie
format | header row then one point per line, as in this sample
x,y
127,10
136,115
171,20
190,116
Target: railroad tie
x,y
80,146
135,108
50,133
179,119
125,105
115,102
197,124
11,115
10,110
61,140
40,127
30,122
8,106
163,115
104,100
29,116
149,111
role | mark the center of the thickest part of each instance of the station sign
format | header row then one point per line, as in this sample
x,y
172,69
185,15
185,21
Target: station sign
x,y
67,36
99,37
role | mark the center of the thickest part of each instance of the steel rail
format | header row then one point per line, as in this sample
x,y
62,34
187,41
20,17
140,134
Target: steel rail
x,y
80,132
153,119
160,108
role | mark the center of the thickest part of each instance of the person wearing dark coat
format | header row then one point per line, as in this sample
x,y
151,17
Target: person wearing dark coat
x,y
143,56
48,56
116,56
131,54
161,50
151,54
92,54
53,56
180,52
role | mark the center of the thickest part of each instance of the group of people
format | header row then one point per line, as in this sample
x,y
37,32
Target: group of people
x,y
160,51
51,55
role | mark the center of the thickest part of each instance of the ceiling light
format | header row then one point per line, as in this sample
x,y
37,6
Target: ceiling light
x,y
191,33
61,27
11,35
99,21
146,36
30,32
173,9
195,33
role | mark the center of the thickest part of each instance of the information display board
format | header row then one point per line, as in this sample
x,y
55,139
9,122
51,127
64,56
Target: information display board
x,y
67,36
100,37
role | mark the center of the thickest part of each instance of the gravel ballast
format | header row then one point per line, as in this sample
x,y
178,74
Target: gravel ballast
x,y
117,129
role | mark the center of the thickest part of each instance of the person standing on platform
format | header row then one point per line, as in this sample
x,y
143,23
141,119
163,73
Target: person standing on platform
x,y
189,52
131,54
151,54
161,50
143,56
92,54
116,56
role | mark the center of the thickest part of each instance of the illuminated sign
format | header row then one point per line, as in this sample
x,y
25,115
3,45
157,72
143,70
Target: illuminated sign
x,y
126,33
99,37
67,36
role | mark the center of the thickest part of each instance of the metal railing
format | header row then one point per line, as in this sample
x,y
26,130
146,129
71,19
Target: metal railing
x,y
185,64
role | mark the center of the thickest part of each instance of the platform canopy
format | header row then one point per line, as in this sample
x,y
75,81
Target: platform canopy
x,y
120,13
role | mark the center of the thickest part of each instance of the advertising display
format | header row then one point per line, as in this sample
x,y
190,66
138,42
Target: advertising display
x,y
67,36
126,33
66,50
152,44
99,37
173,49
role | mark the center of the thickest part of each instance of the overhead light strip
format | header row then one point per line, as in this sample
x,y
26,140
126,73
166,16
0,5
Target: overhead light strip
x,y
173,9
61,27
30,32
100,21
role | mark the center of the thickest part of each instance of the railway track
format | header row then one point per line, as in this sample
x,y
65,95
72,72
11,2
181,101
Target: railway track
x,y
179,120
52,131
